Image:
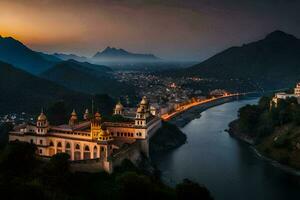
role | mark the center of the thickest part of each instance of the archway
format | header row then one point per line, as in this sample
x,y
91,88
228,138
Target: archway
x,y
95,152
58,147
77,153
68,148
86,153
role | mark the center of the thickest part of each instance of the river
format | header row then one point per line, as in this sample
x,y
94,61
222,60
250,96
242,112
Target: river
x,y
229,168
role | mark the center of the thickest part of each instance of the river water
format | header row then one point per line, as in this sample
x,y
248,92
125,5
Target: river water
x,y
229,168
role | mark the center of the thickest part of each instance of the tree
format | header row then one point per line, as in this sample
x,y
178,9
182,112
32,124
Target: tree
x,y
18,158
4,129
249,118
191,190
133,186
57,171
264,103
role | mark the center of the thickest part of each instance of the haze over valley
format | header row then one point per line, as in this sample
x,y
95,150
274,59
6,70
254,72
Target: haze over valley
x,y
138,99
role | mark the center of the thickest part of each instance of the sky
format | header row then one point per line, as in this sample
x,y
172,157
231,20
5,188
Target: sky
x,y
170,29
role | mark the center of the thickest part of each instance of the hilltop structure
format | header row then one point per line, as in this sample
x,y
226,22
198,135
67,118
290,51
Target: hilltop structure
x,y
283,95
93,144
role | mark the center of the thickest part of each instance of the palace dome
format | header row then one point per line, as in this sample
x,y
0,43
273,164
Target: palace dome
x,y
144,101
74,115
42,117
119,106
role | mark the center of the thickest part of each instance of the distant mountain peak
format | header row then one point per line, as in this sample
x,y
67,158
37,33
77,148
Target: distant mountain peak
x,y
16,53
111,53
11,40
72,56
114,51
279,35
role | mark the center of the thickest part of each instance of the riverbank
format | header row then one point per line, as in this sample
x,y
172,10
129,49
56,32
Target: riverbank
x,y
273,148
184,118
213,158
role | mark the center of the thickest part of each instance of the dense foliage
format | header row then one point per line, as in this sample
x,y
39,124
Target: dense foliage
x,y
25,176
276,129
260,120
4,129
168,137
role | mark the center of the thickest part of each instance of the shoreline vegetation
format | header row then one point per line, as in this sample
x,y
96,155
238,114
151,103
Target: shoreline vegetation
x,y
168,137
272,131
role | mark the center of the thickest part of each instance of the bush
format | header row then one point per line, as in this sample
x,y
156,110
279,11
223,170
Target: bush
x,y
284,160
281,141
191,190
18,158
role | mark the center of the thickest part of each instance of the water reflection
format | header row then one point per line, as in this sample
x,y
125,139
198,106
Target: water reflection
x,y
229,168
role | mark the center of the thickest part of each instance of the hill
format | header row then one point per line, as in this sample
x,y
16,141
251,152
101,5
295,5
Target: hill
x,y
21,91
86,77
50,57
114,54
63,56
270,63
14,52
273,130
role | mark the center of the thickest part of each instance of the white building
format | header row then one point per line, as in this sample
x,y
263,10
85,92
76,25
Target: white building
x,y
283,95
92,143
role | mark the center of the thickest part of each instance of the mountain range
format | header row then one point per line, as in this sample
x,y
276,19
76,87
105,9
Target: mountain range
x,y
67,75
22,91
14,52
86,77
114,54
270,63
63,56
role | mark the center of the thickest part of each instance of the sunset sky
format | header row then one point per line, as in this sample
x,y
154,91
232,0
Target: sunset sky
x,y
171,29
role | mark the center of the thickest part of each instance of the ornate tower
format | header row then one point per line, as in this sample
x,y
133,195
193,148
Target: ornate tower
x,y
96,125
104,140
42,124
118,109
74,119
143,112
86,115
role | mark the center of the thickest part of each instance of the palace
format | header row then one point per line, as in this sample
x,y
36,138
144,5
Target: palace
x,y
283,95
93,144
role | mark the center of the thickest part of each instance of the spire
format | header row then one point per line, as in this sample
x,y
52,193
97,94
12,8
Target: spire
x,y
86,115
74,112
74,119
